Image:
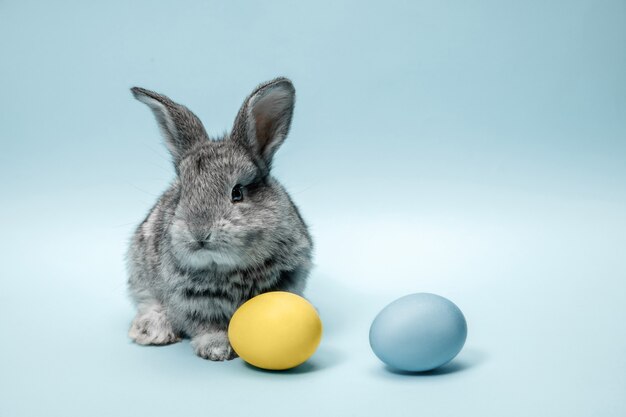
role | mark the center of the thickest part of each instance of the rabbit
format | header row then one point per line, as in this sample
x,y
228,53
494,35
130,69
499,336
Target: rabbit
x,y
223,232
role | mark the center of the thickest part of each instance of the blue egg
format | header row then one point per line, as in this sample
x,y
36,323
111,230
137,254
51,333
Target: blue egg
x,y
418,332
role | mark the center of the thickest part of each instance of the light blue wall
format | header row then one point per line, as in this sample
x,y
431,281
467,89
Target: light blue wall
x,y
472,149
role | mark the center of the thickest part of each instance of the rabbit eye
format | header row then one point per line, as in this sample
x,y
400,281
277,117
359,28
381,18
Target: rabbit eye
x,y
237,193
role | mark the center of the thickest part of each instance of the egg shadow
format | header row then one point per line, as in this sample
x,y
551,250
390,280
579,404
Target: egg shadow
x,y
468,359
325,358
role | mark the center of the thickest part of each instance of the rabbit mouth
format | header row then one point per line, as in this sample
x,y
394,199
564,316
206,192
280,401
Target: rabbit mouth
x,y
203,246
195,256
207,250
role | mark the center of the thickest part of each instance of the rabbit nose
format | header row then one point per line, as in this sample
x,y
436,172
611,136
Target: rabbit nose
x,y
203,239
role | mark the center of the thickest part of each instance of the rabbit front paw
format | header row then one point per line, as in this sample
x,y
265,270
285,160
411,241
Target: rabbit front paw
x,y
151,327
213,346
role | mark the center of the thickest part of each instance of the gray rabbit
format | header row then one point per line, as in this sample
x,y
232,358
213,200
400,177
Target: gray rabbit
x,y
224,231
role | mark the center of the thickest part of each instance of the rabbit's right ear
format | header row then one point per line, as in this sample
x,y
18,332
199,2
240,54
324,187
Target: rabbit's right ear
x,y
264,119
181,129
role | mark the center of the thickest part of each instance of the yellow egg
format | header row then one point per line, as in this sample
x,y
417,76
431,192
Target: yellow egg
x,y
275,330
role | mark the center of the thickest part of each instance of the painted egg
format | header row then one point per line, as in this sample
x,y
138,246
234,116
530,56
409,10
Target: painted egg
x,y
418,332
275,330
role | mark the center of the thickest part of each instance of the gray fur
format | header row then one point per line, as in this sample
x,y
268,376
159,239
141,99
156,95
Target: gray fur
x,y
198,256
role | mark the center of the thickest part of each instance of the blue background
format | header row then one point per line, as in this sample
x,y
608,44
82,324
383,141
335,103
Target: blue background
x,y
476,150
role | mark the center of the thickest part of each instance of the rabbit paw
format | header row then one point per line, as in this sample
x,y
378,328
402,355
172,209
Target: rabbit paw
x,y
213,346
151,327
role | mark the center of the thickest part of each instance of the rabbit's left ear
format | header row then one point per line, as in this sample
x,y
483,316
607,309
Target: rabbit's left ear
x,y
264,119
181,129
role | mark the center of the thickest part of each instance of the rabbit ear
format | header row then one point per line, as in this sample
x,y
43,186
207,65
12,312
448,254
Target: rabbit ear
x,y
264,119
181,128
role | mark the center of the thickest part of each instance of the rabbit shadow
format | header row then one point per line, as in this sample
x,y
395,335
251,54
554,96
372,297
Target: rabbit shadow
x,y
338,305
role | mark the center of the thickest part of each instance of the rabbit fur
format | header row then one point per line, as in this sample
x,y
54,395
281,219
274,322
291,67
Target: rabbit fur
x,y
202,250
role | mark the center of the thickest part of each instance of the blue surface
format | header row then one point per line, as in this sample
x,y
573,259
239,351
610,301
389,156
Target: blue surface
x,y
474,150
418,332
